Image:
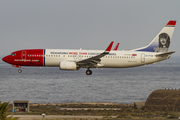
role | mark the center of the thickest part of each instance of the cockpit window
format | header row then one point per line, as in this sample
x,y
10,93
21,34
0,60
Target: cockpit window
x,y
13,54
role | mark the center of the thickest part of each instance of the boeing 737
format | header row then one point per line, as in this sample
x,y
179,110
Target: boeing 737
x,y
69,59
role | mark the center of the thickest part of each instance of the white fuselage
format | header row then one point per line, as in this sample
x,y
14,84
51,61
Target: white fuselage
x,y
115,59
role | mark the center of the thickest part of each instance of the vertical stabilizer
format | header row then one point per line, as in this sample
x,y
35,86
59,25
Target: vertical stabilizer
x,y
162,40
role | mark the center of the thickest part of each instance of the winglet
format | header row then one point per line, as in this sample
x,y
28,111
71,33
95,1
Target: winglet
x,y
109,47
172,22
116,47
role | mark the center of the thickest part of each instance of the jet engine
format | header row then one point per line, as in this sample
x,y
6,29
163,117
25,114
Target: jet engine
x,y
67,65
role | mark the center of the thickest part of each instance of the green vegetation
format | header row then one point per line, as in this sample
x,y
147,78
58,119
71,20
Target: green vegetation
x,y
3,110
84,105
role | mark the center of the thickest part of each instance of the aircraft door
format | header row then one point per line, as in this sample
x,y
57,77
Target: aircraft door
x,y
142,58
23,55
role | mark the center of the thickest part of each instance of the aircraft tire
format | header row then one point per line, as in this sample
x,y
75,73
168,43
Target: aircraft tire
x,y
88,72
19,70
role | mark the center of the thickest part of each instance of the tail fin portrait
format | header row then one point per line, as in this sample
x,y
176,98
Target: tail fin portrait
x,y
162,40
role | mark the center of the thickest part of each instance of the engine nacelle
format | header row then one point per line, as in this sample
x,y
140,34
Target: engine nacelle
x,y
67,65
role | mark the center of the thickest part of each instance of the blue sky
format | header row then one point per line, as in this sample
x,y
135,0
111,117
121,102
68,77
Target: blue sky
x,y
87,24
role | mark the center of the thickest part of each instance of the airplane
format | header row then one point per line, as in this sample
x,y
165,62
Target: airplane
x,y
69,59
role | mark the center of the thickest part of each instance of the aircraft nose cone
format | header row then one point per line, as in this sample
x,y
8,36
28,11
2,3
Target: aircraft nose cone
x,y
5,59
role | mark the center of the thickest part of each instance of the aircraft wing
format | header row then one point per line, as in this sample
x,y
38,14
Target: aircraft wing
x,y
95,60
165,54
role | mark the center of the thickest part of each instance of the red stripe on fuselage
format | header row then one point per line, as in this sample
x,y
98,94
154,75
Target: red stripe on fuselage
x,y
28,57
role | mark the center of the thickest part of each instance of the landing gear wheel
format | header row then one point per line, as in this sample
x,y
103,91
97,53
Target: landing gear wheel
x,y
19,70
88,72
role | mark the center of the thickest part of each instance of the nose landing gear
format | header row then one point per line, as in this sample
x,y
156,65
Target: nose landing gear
x,y
18,67
19,70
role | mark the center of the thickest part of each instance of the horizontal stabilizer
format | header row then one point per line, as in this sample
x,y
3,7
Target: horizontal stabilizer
x,y
165,54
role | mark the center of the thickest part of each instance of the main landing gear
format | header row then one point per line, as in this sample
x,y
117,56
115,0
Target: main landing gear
x,y
88,72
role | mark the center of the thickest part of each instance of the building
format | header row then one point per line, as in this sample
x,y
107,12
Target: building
x,y
20,106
